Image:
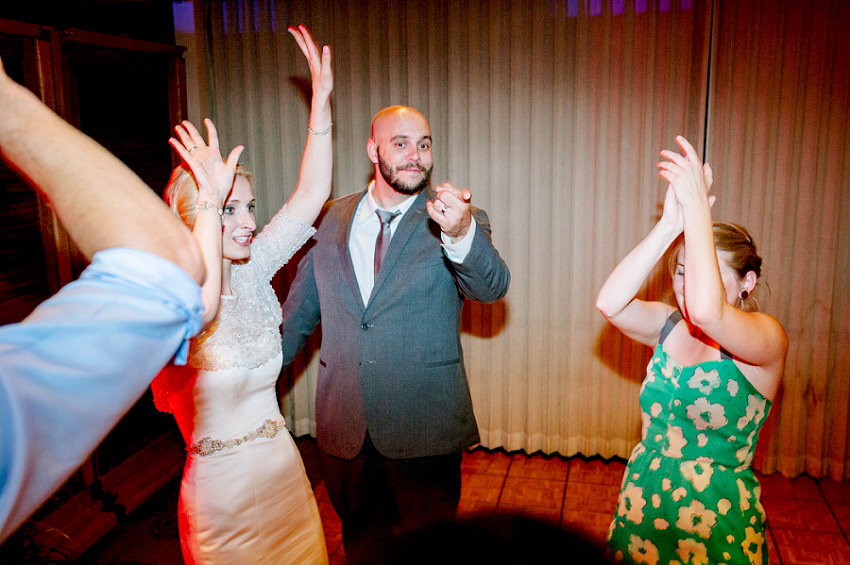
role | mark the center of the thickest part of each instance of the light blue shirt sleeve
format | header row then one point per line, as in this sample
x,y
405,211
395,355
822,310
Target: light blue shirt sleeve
x,y
75,365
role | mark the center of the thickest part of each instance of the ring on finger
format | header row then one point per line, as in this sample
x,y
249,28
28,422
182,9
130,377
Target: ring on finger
x,y
192,149
443,211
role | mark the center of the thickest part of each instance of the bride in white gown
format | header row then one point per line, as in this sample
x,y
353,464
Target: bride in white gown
x,y
244,497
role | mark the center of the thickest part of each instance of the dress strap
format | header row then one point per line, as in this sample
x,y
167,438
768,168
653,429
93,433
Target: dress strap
x,y
674,318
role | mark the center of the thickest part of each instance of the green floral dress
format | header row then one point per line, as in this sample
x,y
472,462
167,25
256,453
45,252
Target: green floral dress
x,y
688,495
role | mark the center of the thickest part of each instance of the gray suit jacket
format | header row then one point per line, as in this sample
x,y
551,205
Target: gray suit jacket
x,y
396,365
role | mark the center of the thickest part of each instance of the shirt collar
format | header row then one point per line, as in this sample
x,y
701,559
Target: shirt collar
x,y
368,206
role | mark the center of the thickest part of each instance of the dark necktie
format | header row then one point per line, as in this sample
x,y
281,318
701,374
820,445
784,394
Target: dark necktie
x,y
383,241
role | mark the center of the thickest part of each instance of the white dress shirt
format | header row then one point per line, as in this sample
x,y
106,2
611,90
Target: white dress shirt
x,y
364,232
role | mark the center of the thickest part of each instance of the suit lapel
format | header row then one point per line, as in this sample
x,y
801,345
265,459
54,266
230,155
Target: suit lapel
x,y
344,226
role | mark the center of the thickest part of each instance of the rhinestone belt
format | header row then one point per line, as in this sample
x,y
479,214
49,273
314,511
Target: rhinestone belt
x,y
208,446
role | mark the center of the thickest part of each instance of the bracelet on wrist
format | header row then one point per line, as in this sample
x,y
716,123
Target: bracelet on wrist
x,y
323,132
207,205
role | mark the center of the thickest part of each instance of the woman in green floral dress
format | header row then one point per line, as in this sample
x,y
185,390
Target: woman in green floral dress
x,y
688,494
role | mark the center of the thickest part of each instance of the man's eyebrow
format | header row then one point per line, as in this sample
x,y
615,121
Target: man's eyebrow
x,y
403,136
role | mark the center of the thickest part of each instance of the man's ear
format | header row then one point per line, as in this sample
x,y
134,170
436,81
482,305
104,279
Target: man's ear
x,y
372,151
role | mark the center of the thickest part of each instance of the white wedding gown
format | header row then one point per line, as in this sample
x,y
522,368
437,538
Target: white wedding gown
x,y
245,497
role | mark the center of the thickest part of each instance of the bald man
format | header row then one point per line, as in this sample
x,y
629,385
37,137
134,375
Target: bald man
x,y
387,274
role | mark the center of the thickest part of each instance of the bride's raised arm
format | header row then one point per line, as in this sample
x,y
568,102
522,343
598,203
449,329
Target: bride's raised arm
x,y
316,173
211,180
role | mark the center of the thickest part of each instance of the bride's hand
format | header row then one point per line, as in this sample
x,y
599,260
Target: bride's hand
x,y
213,175
320,64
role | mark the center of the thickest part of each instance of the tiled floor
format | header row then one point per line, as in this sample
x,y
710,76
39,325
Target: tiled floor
x,y
808,520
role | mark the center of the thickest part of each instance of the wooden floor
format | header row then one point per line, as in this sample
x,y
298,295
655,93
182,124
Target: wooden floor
x,y
808,520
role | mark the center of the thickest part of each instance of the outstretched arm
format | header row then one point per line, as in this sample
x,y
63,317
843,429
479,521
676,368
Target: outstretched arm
x,y
83,357
100,201
213,177
316,173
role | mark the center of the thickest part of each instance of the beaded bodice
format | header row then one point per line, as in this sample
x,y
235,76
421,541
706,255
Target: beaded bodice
x,y
247,330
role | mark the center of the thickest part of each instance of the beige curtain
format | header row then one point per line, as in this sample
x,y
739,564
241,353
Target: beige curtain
x,y
552,112
780,108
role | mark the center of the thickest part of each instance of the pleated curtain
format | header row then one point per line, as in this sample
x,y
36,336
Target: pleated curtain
x,y
553,114
778,132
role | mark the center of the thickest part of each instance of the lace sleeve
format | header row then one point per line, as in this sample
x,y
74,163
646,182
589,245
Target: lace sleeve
x,y
277,243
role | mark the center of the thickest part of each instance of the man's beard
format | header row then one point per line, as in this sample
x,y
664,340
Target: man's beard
x,y
390,175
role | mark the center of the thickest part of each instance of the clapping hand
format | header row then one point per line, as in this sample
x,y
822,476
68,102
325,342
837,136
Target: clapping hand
x,y
690,182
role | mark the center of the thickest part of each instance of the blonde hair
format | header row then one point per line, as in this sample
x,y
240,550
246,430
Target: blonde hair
x,y
181,192
740,249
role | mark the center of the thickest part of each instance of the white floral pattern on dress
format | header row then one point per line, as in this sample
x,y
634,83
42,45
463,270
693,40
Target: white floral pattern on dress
x,y
643,551
698,472
693,466
745,495
696,518
706,415
692,552
755,411
732,387
704,381
675,442
631,504
752,545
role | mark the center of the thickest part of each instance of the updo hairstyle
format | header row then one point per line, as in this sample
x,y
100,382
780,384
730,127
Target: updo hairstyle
x,y
740,249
